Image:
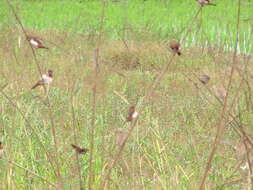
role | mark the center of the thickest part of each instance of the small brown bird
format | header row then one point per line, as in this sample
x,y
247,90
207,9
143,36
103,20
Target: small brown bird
x,y
203,3
1,149
45,80
175,47
220,92
204,78
36,42
79,150
244,149
132,114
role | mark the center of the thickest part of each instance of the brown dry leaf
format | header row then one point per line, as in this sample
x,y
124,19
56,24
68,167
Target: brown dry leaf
x,y
120,136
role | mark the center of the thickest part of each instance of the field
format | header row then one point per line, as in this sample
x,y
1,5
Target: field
x,y
107,56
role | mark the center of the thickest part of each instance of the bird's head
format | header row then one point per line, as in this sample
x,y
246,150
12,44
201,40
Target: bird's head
x,y
50,73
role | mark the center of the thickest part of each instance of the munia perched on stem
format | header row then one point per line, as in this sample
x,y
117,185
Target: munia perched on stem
x,y
132,114
45,80
203,3
36,42
204,79
175,47
79,150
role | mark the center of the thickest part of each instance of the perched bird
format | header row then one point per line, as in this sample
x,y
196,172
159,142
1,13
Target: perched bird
x,y
45,80
36,42
220,92
175,47
132,114
203,3
204,78
79,150
1,149
244,149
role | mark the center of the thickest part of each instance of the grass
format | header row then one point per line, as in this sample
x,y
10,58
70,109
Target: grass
x,y
171,142
161,20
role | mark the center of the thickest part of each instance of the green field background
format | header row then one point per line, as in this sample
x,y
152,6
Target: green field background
x,y
160,19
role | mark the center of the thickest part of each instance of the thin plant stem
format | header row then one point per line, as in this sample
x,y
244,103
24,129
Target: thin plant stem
x,y
220,126
94,101
25,33
116,157
33,130
75,141
58,174
55,143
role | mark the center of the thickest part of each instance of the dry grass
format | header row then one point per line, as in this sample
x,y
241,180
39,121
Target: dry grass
x,y
171,140
169,147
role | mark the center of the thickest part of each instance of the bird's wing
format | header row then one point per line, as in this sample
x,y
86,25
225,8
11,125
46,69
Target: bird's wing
x,y
34,42
40,82
44,77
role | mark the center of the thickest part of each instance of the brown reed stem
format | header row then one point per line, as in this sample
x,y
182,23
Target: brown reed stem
x,y
75,141
242,132
147,95
189,25
116,157
55,144
58,174
24,32
220,126
94,101
30,126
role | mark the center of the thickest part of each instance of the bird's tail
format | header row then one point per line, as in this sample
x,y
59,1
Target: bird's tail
x,y
212,4
36,85
44,47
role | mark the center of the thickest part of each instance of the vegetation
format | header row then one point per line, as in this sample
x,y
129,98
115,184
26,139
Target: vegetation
x,y
107,57
160,20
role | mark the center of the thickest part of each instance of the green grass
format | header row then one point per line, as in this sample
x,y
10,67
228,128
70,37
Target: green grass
x,y
162,19
171,143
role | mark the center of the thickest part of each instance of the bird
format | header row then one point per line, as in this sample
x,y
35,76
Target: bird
x,y
45,80
203,3
220,92
204,79
175,47
1,149
132,114
244,149
79,150
36,42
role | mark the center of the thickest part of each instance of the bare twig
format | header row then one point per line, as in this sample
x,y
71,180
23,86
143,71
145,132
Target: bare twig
x,y
58,174
29,124
220,126
75,140
189,25
104,183
24,31
94,102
